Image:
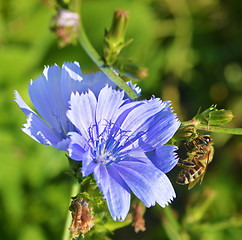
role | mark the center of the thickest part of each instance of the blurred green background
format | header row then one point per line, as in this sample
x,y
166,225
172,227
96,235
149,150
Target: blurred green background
x,y
193,52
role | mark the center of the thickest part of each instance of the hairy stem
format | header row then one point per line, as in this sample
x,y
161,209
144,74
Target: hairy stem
x,y
74,191
235,131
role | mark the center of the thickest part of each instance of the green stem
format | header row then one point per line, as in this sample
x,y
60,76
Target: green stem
x,y
172,227
74,191
108,71
63,4
235,131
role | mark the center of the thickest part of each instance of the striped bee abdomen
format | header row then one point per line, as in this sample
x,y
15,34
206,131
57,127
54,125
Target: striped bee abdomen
x,y
188,175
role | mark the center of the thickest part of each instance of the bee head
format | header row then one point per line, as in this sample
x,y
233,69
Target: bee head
x,y
207,139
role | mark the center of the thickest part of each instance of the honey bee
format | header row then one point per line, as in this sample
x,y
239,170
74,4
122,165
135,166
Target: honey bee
x,y
200,154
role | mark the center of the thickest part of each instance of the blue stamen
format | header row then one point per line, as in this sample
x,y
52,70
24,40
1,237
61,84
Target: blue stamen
x,y
107,144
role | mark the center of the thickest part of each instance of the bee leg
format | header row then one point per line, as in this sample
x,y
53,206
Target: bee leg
x,y
194,144
200,151
189,146
186,163
203,140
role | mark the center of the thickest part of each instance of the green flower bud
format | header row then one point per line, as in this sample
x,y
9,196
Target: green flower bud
x,y
220,117
214,116
114,39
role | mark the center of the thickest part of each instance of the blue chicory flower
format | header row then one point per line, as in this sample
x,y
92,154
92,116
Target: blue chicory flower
x,y
50,95
119,140
122,143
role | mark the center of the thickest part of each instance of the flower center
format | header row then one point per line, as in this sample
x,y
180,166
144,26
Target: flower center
x,y
108,143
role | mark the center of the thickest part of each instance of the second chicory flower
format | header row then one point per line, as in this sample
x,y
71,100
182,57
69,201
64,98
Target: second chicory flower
x,y
50,95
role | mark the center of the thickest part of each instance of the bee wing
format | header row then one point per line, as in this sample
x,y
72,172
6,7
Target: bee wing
x,y
202,175
192,184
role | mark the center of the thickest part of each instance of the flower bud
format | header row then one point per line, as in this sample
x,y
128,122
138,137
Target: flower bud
x,y
220,117
114,39
65,25
213,116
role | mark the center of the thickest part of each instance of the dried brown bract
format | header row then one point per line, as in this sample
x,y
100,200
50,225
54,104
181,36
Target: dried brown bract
x,y
82,219
139,222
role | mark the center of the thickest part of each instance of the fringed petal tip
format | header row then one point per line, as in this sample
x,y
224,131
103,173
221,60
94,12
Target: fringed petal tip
x,y
40,131
167,104
45,72
17,98
119,218
135,88
70,63
16,94
65,64
176,156
72,70
33,133
172,198
23,106
71,67
73,95
169,201
171,195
